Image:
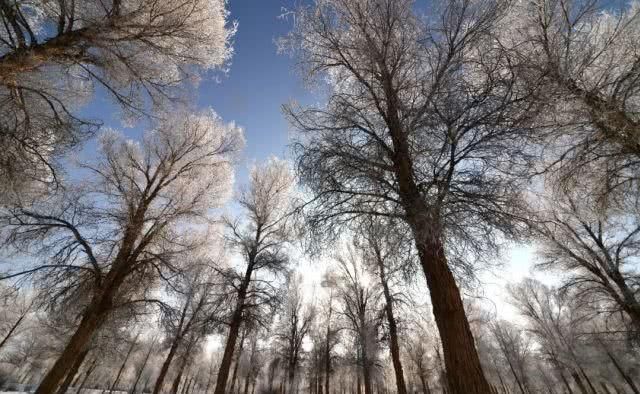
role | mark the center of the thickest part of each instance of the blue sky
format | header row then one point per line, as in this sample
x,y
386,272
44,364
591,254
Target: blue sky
x,y
258,83
251,94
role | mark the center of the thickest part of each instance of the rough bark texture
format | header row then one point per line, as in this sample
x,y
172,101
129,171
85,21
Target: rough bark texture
x,y
464,371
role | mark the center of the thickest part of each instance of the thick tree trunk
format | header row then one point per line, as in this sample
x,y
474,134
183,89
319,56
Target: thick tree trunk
x,y
72,372
393,329
464,371
366,377
90,322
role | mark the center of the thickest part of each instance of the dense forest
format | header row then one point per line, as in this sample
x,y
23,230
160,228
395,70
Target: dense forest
x,y
442,135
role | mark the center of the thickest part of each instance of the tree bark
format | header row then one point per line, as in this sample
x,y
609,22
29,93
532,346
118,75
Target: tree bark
x,y
90,322
464,371
72,372
234,328
393,329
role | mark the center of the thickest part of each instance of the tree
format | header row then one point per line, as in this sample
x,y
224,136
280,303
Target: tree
x,y
199,312
360,309
389,252
294,326
516,349
420,125
124,226
261,242
580,60
556,326
595,247
53,54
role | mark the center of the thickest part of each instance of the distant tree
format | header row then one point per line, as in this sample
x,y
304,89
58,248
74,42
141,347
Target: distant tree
x,y
360,308
261,240
107,241
198,313
421,124
516,350
294,326
556,326
53,55
389,251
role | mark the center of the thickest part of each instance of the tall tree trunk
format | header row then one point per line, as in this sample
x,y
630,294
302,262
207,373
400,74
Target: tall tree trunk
x,y
464,371
79,341
393,328
124,363
95,313
234,376
72,372
142,367
234,328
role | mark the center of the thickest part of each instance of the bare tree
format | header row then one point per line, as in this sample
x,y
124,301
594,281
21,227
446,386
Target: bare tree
x,y
389,252
516,349
53,54
199,313
261,241
360,308
597,249
422,125
580,57
107,243
555,324
294,326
